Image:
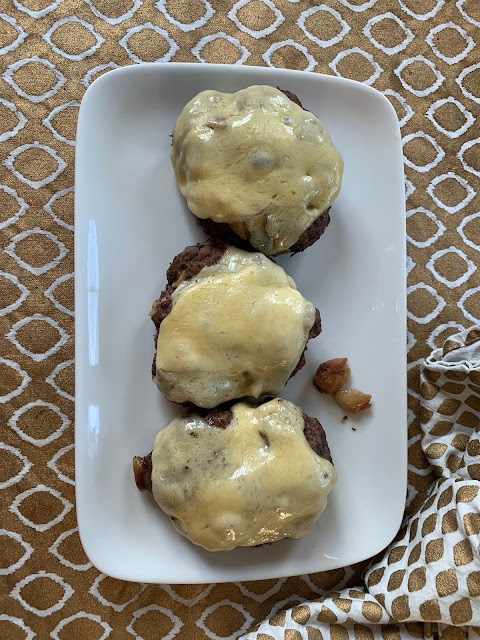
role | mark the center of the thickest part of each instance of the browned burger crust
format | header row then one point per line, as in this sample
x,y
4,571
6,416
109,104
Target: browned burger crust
x,y
223,231
293,97
314,332
316,437
187,265
220,419
311,233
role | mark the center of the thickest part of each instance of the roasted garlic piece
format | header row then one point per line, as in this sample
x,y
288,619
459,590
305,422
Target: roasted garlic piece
x,y
330,378
353,400
332,375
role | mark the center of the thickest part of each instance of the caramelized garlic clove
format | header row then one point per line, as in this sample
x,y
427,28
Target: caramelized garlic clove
x,y
353,400
332,375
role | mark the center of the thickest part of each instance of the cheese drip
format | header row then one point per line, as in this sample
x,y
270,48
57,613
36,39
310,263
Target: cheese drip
x,y
257,161
255,481
237,329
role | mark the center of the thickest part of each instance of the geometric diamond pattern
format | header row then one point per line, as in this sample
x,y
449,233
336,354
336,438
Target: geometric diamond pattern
x,y
136,4
407,7
49,293
24,293
48,207
469,192
145,612
48,121
54,551
440,303
433,163
53,464
94,590
403,44
27,465
35,184
407,109
81,614
376,69
466,147
469,42
50,379
22,206
461,80
404,67
39,442
37,271
52,90
344,26
243,52
471,220
185,26
38,357
21,34
28,550
21,386
278,19
432,239
470,268
309,61
40,526
468,17
148,26
68,592
18,622
40,13
475,291
409,188
21,120
468,117
87,27
224,603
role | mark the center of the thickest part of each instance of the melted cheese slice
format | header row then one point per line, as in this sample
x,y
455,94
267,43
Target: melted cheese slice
x,y
253,482
257,161
237,329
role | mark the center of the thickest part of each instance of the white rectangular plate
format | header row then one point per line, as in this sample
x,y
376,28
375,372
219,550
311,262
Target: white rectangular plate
x,y
130,221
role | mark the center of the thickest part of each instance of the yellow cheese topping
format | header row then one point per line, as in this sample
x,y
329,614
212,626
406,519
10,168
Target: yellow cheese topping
x,y
257,161
237,329
255,481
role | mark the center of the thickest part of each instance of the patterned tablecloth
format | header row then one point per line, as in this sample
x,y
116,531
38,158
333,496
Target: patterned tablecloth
x,y
423,55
